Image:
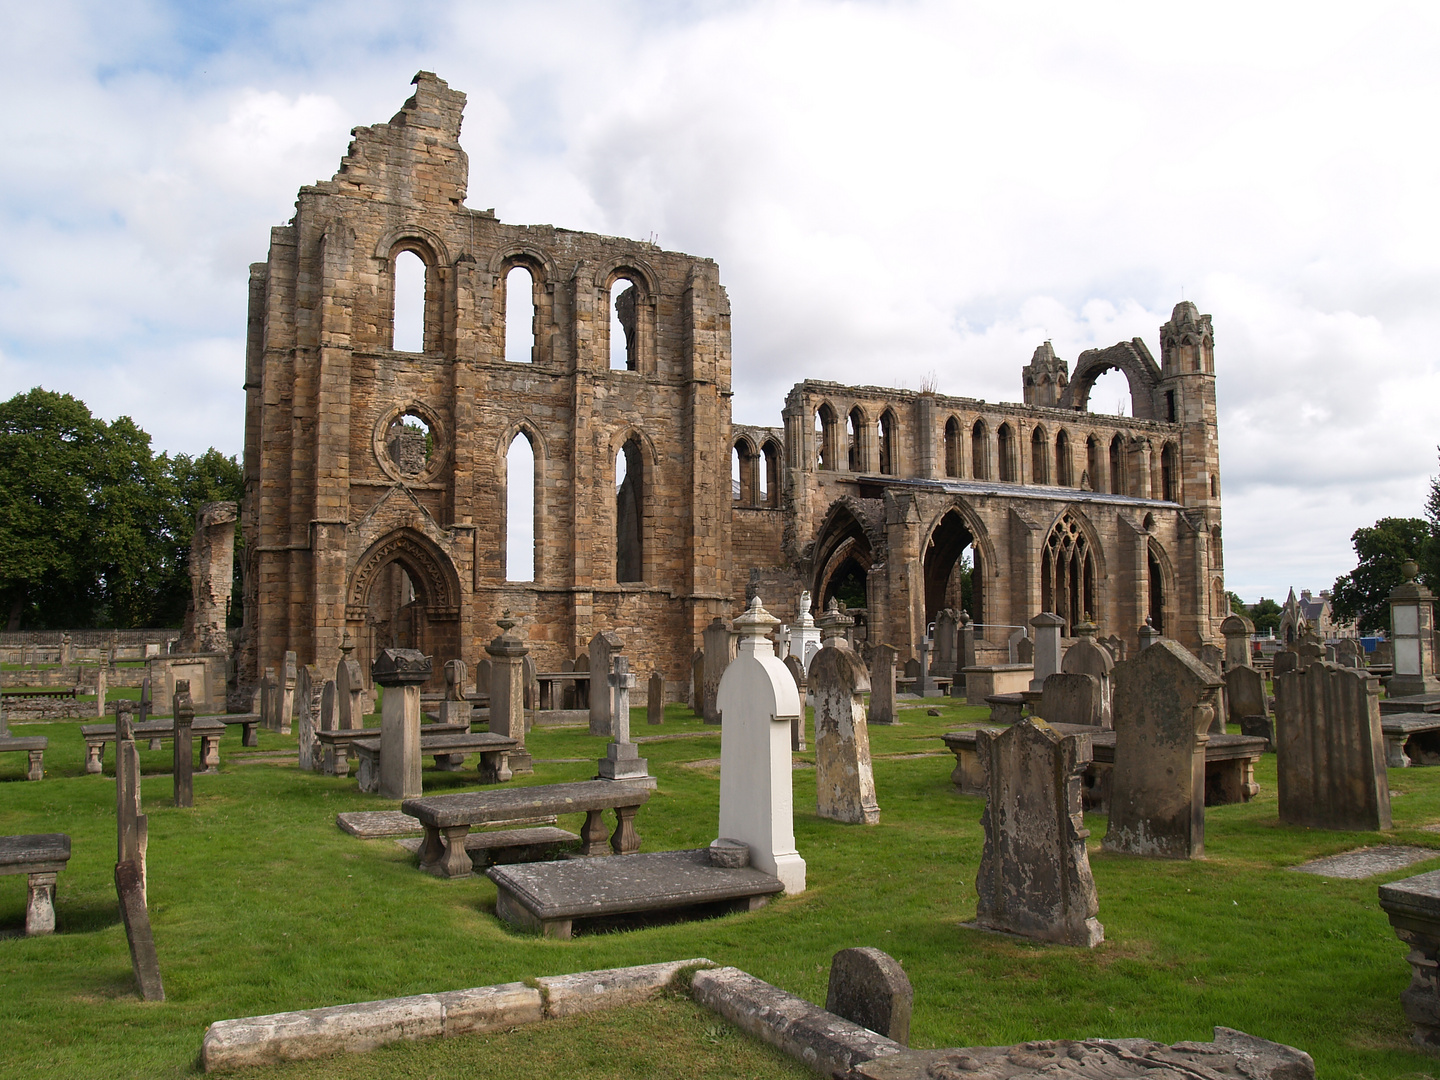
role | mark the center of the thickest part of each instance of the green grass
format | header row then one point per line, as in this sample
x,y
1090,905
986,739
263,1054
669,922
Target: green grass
x,y
260,904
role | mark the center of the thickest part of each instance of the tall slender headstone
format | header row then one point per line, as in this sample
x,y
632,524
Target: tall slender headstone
x,y
1034,874
1047,626
655,699
132,831
947,644
697,682
1237,630
1330,751
307,705
130,888
604,647
717,659
924,683
882,684
400,672
287,693
1088,657
797,723
1164,703
621,761
804,634
507,692
757,701
844,778
184,765
101,676
349,688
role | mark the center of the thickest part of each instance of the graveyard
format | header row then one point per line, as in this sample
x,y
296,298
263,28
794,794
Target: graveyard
x,y
260,904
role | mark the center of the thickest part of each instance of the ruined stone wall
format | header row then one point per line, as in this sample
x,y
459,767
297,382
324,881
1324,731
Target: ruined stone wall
x,y
328,508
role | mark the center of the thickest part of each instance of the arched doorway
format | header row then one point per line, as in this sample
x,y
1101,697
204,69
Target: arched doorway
x,y
405,594
844,557
953,571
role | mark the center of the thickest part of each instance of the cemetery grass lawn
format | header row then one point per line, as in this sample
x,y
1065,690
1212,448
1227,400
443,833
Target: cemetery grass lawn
x,y
260,904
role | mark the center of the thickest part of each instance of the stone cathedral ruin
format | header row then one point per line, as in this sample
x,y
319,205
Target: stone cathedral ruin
x,y
375,478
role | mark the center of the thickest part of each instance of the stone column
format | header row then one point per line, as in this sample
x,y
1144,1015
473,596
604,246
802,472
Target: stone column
x,y
184,760
882,684
604,647
1412,630
1034,876
1047,627
400,672
757,701
101,675
621,761
844,779
507,691
1237,630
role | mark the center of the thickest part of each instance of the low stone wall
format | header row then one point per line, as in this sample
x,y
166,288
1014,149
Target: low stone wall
x,y
81,675
39,709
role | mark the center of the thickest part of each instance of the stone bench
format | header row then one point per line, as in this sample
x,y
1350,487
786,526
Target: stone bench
x,y
42,857
549,897
1006,708
1411,738
336,744
448,819
34,745
498,846
249,726
449,752
1229,766
207,729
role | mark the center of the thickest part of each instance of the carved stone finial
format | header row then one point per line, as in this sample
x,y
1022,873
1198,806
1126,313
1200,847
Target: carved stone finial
x,y
347,644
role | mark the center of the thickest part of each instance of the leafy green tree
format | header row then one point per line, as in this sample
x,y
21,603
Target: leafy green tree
x,y
1237,606
1382,548
94,528
1265,614
1429,559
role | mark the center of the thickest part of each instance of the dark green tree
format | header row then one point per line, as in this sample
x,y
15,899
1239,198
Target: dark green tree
x,y
1430,558
1237,606
1265,614
211,477
1382,548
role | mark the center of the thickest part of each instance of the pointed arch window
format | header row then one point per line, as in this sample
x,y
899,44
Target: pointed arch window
x,y
1117,466
825,422
1008,471
952,447
1067,573
408,314
519,315
1064,466
886,431
979,451
1039,457
629,512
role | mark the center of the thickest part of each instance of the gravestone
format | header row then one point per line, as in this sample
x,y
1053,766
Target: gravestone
x,y
1071,699
1213,657
604,647
1330,752
287,693
483,672
797,723
1350,653
1237,630
804,634
870,988
132,828
130,887
1022,651
1034,876
1311,650
1284,661
844,779
717,659
400,672
1115,646
455,706
184,745
912,673
307,706
531,677
1259,727
1245,693
349,688
923,684
1164,703
1046,656
1088,657
582,686
947,644
508,652
269,701
655,699
328,721
757,701
882,684
1412,636
697,682
1384,654
621,761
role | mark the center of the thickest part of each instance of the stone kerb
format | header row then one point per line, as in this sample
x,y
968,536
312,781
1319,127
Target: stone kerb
x,y
844,779
757,700
400,672
1164,704
604,647
1330,751
1034,876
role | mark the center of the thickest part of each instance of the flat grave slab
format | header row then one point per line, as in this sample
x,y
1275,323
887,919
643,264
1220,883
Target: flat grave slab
x,y
551,896
1367,862
1410,703
380,824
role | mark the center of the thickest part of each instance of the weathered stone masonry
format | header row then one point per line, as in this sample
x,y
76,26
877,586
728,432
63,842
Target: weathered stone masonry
x,y
1112,517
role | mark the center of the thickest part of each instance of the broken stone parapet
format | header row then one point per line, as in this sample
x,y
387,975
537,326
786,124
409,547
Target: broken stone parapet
x,y
1034,876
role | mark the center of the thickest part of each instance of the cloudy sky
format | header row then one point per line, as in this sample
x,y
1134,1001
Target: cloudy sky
x,y
891,190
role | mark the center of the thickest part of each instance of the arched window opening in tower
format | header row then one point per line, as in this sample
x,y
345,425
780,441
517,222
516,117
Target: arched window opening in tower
x,y
519,315
520,510
952,447
629,512
408,320
624,326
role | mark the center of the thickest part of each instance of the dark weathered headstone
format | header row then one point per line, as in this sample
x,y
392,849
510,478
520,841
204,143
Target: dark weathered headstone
x,y
717,659
184,769
882,684
1284,661
129,885
604,647
844,779
697,682
1088,657
131,826
1025,651
655,699
1164,704
1071,699
947,644
1350,653
1330,750
912,672
1035,874
1260,727
1245,693
870,988
797,723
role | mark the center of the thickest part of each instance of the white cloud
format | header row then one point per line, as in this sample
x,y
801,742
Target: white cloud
x,y
888,188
